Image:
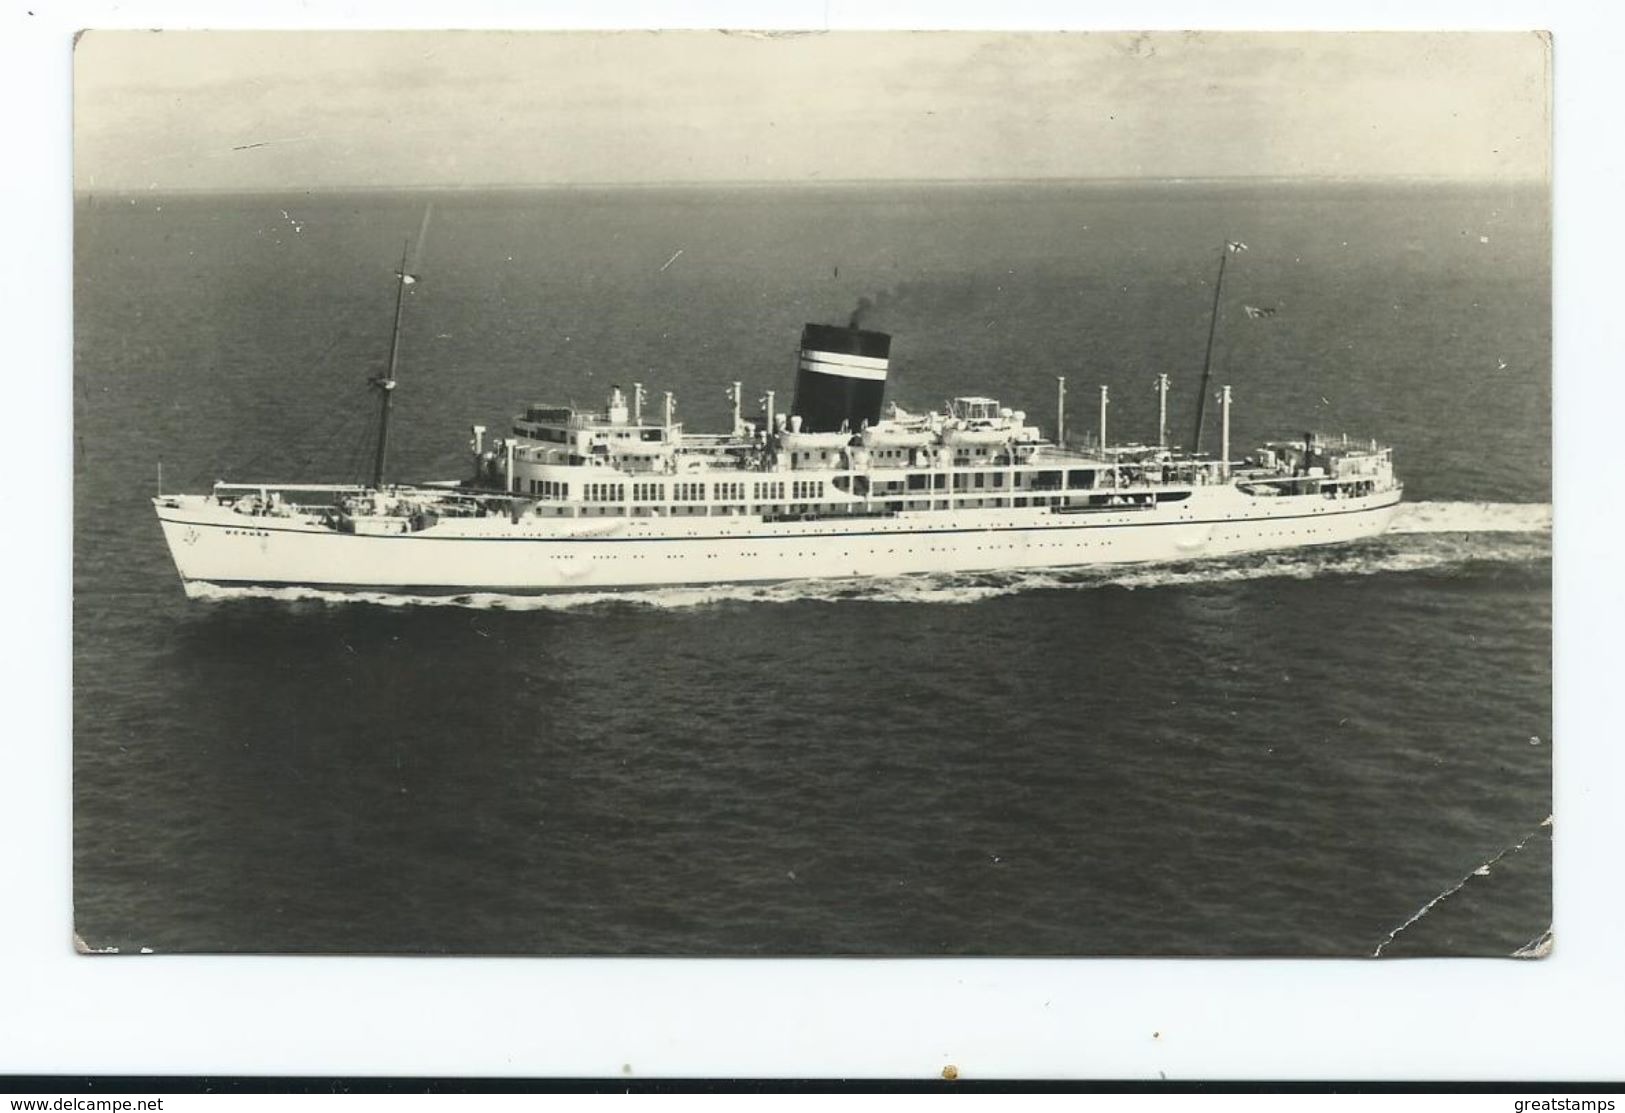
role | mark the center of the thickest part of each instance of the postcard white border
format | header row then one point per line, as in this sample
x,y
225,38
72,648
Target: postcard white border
x,y
1456,1019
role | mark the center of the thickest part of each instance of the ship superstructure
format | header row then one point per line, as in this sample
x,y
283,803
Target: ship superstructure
x,y
839,484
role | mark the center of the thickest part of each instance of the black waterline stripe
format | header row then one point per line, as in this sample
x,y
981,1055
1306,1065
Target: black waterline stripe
x,y
445,591
793,536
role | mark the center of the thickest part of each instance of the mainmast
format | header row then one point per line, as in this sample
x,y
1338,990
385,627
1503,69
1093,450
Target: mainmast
x,y
1162,411
1060,411
1105,400
385,383
1212,328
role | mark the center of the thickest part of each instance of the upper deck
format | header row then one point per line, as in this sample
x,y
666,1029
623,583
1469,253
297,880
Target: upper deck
x,y
972,453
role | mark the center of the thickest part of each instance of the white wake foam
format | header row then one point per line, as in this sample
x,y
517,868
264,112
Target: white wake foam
x,y
1472,517
1419,541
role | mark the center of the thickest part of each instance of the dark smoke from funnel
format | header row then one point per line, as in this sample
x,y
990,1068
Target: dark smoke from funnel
x,y
972,297
868,307
865,305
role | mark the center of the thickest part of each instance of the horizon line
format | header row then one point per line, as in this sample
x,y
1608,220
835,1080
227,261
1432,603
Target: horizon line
x,y
820,183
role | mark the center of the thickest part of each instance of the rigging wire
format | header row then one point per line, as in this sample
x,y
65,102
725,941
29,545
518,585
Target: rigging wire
x,y
340,421
361,452
345,422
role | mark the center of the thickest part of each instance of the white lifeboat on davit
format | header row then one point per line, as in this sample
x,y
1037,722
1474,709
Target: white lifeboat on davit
x,y
979,434
805,442
891,435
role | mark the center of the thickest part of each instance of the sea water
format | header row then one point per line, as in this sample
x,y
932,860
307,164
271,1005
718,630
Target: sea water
x,y
1287,753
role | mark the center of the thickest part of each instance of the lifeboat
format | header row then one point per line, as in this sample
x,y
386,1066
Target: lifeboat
x,y
813,442
896,436
979,435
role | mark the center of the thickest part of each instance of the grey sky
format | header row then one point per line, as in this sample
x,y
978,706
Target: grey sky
x,y
182,110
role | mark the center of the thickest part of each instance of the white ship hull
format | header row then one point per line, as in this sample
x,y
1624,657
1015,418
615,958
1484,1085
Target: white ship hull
x,y
215,544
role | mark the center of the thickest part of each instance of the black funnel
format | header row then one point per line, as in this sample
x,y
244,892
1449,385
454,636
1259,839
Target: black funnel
x,y
841,378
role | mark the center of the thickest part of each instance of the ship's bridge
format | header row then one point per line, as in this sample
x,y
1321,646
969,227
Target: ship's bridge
x,y
975,408
615,430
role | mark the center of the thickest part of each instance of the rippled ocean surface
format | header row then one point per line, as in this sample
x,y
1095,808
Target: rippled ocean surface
x,y
1290,753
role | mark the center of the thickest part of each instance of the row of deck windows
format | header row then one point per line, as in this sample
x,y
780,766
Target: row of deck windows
x,y
1123,502
808,490
541,433
977,481
548,488
680,492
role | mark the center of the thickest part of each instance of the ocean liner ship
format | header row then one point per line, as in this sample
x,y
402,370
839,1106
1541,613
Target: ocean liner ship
x,y
842,484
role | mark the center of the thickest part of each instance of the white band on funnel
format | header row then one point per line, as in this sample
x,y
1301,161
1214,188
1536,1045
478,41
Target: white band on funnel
x,y
846,366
